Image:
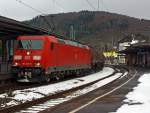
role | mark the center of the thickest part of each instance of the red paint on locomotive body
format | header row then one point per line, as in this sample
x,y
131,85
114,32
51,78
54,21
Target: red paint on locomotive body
x,y
49,54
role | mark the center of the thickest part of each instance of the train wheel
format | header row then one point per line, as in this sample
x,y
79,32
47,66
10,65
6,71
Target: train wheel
x,y
57,78
47,79
78,73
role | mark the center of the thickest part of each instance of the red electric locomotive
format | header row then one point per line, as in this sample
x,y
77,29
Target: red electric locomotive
x,y
38,58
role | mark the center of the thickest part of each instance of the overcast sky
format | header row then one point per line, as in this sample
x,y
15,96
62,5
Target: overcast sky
x,y
16,10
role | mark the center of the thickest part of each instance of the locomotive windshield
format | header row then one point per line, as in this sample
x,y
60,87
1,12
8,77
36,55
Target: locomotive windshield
x,y
29,44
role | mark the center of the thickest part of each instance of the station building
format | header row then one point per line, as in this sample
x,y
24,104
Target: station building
x,y
137,55
136,52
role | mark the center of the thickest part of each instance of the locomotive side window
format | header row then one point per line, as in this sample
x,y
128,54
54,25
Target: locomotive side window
x,y
52,46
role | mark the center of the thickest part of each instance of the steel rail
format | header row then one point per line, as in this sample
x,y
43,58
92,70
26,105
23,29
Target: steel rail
x,y
54,96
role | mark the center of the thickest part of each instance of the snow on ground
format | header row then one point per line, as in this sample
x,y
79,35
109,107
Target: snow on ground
x,y
39,92
54,102
138,101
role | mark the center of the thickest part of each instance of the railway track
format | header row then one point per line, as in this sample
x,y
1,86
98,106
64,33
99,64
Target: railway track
x,y
37,104
8,83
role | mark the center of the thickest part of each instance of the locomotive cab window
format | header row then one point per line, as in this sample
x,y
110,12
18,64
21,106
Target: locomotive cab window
x,y
52,45
29,44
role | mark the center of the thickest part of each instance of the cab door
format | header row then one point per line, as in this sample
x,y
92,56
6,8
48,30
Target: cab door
x,y
53,54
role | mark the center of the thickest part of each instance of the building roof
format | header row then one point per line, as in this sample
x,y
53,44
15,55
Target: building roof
x,y
137,47
10,28
130,37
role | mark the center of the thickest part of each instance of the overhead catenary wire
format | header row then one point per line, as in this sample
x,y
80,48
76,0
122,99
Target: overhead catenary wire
x,y
58,4
27,5
98,6
104,5
90,4
42,14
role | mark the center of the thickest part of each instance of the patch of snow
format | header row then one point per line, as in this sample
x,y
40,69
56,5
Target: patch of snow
x,y
11,103
54,102
126,73
38,92
138,101
25,96
97,85
3,95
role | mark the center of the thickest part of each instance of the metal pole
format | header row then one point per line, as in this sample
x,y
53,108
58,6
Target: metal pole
x,y
98,5
4,50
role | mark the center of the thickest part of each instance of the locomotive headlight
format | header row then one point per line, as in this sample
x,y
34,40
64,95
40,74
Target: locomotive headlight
x,y
36,57
15,64
17,57
28,53
37,64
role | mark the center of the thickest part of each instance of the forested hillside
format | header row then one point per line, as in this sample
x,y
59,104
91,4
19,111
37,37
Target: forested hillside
x,y
99,29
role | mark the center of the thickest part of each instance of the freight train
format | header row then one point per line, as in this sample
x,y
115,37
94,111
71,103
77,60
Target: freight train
x,y
43,57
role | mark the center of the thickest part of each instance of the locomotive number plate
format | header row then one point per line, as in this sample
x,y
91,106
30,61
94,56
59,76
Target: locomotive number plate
x,y
27,57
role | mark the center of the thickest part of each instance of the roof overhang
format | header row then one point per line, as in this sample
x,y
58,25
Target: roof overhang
x,y
137,48
10,28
